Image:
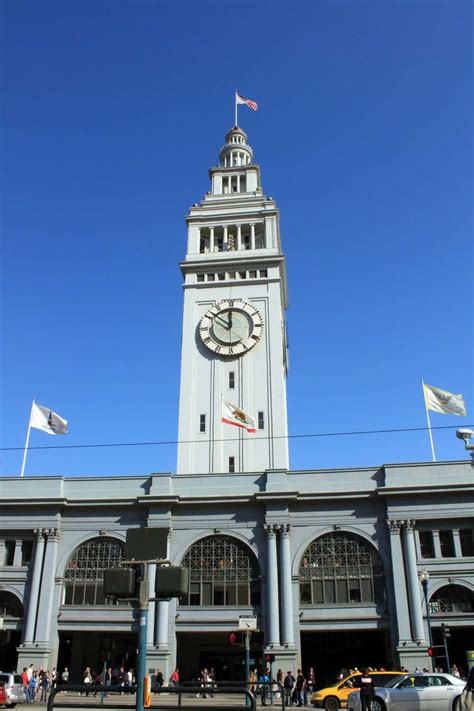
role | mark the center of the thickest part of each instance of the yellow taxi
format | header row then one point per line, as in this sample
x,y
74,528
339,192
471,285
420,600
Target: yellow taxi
x,y
335,696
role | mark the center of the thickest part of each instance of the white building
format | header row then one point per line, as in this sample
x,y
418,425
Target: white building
x,y
329,561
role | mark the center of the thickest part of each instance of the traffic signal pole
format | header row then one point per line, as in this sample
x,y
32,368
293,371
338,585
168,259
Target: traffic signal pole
x,y
247,662
142,628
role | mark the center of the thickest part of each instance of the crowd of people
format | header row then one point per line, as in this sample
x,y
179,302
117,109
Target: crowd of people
x,y
37,683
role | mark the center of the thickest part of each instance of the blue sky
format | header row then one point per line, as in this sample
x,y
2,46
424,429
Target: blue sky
x,y
113,113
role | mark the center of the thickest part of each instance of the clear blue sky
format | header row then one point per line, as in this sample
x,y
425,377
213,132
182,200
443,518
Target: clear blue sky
x,y
113,113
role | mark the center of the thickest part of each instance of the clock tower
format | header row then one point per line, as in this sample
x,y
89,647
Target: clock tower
x,y
234,346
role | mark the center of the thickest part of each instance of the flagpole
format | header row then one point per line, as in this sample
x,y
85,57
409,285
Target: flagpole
x,y
25,451
235,107
429,422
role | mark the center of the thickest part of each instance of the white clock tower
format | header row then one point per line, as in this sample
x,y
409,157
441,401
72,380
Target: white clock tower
x,y
234,346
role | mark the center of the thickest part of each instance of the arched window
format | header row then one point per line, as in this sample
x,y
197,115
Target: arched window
x,y
10,605
340,569
222,571
452,598
84,575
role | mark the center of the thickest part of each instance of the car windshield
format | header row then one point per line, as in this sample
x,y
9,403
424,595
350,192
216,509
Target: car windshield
x,y
393,682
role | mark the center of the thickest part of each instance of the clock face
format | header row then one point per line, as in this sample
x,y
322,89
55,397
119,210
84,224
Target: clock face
x,y
231,327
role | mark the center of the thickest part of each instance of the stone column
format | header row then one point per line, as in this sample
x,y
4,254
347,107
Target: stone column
x,y
252,236
226,238
436,545
239,237
34,589
399,586
413,583
162,617
2,553
17,555
457,543
211,239
285,585
45,608
150,630
273,621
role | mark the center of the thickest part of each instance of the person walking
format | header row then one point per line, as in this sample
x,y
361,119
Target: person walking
x,y
367,689
288,683
300,687
310,684
467,696
64,678
263,683
87,679
44,686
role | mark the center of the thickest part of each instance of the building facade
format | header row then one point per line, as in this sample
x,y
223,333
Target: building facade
x,y
330,562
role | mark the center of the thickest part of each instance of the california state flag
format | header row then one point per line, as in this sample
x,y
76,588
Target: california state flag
x,y
233,415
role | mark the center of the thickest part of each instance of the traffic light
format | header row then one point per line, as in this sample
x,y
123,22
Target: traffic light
x,y
269,657
119,582
171,581
445,632
232,637
430,651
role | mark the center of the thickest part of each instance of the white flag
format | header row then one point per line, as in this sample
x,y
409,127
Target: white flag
x,y
442,401
233,415
42,418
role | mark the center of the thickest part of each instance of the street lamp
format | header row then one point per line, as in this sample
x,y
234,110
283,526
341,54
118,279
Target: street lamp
x,y
424,577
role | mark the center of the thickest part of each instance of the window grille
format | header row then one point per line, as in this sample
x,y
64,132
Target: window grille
x,y
84,575
340,569
10,605
452,598
222,571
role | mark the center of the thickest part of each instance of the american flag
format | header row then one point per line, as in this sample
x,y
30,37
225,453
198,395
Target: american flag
x,y
242,100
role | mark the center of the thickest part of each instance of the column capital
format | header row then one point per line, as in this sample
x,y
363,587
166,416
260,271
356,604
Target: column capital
x,y
52,534
409,524
271,530
38,534
394,526
285,529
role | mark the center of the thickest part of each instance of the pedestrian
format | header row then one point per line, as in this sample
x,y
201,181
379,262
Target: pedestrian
x,y
300,687
263,683
279,680
310,684
174,678
253,681
288,683
54,678
32,687
159,679
467,696
87,679
44,686
366,690
65,678
455,671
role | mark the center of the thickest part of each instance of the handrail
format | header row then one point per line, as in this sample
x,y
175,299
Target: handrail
x,y
250,700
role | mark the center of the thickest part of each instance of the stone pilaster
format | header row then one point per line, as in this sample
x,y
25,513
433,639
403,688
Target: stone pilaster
x,y
288,639
31,612
399,584
273,616
43,625
413,583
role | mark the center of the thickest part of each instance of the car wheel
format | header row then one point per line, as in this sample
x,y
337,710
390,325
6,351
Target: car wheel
x,y
331,703
457,704
10,706
378,705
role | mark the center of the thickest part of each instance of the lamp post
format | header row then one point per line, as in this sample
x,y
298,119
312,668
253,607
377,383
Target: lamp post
x,y
424,577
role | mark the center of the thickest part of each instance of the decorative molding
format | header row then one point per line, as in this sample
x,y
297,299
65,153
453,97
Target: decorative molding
x,y
394,526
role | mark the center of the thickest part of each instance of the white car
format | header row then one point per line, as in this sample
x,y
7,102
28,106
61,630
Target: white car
x,y
415,692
